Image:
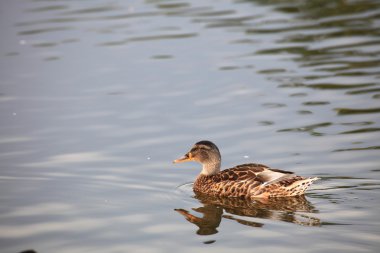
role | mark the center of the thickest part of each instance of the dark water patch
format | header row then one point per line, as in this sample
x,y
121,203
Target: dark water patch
x,y
98,9
266,123
363,91
304,112
208,12
162,56
12,53
52,58
357,73
349,65
283,29
288,9
149,38
291,85
372,42
336,10
369,64
44,44
44,30
173,5
314,103
332,86
114,43
362,130
169,28
350,111
360,123
299,94
288,50
328,35
28,251
132,15
229,68
273,105
358,149
232,67
244,41
79,18
368,186
232,20
209,242
334,224
225,22
191,11
48,8
376,96
51,21
271,71
308,128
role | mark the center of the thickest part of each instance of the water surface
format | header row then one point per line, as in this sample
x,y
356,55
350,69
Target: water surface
x,y
98,97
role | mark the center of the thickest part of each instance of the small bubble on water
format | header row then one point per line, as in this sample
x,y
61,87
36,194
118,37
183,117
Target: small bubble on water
x,y
22,42
246,156
148,158
14,114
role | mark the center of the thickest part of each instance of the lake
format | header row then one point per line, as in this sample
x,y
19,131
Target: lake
x,y
97,98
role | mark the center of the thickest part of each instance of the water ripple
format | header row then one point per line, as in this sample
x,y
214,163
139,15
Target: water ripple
x,y
150,38
97,97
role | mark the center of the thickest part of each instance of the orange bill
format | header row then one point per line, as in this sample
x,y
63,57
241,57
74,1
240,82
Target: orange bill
x,y
186,158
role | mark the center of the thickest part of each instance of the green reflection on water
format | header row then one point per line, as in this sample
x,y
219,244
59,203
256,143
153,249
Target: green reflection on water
x,y
349,111
358,149
362,130
309,128
333,86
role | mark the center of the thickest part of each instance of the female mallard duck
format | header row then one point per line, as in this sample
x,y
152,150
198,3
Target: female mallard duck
x,y
246,181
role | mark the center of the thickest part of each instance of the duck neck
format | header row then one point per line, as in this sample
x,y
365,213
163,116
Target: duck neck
x,y
210,169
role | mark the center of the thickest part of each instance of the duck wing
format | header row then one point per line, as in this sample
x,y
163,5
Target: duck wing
x,y
252,181
253,172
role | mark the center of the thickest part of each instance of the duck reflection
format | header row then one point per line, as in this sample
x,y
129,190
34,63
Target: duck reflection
x,y
296,210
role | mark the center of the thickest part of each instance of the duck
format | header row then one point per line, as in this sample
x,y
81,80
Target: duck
x,y
245,181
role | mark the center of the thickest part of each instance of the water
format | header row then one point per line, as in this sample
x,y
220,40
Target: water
x,y
98,97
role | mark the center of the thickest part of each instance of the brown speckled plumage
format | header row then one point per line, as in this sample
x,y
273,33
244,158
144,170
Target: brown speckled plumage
x,y
246,181
243,181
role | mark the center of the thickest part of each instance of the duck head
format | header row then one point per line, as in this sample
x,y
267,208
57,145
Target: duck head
x,y
205,153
